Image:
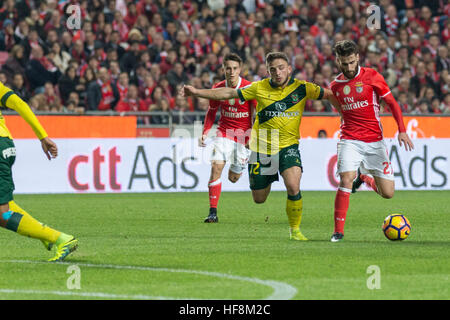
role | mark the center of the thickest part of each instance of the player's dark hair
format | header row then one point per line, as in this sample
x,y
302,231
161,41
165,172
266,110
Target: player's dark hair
x,y
345,48
271,56
232,57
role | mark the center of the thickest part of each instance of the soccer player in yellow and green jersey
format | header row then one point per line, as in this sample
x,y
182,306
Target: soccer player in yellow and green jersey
x,y
275,132
13,217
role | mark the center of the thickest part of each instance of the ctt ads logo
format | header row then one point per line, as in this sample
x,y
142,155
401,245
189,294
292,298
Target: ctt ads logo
x,y
74,20
87,171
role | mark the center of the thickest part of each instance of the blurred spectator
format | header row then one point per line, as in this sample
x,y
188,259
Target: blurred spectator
x,y
442,59
146,89
122,85
101,94
420,80
445,105
183,106
68,83
60,58
114,70
161,105
177,75
7,38
32,40
72,107
436,105
423,107
52,98
40,70
131,101
15,63
130,59
169,61
18,86
322,134
404,103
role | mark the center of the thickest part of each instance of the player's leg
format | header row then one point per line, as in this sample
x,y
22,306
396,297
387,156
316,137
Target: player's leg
x,y
15,208
214,190
350,155
385,187
377,163
220,154
294,201
341,203
16,219
260,178
291,171
239,162
364,178
261,195
233,176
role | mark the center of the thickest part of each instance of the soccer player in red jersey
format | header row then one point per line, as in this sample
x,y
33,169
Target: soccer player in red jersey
x,y
361,149
233,132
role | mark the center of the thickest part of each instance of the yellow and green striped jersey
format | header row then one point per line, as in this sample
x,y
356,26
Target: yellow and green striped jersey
x,y
10,100
278,112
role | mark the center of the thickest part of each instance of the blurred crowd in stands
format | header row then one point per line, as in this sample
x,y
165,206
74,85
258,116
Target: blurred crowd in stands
x,y
133,55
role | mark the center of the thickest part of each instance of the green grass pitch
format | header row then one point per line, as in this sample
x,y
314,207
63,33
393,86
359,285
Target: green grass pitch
x,y
156,246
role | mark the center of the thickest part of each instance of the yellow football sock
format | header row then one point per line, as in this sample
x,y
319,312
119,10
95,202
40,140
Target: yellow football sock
x,y
294,209
20,221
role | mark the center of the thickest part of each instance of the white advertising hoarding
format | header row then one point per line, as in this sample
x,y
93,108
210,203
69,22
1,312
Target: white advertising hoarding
x,y
173,165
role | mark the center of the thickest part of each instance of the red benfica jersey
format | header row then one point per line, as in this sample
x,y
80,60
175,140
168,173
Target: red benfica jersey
x,y
235,116
360,102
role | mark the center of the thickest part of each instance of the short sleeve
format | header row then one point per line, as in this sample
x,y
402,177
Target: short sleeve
x,y
313,91
248,92
379,85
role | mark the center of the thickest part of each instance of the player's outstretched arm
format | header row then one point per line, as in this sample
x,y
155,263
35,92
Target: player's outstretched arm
x,y
211,94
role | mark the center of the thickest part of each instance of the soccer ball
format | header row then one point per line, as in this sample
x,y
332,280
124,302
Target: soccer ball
x,y
396,227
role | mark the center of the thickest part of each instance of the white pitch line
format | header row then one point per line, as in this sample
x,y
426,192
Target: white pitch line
x,y
281,290
92,294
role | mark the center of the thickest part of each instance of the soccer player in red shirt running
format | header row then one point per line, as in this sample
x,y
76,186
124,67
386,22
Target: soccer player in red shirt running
x,y
233,133
361,149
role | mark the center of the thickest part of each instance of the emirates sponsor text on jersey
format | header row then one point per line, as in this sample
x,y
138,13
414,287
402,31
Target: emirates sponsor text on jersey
x,y
350,104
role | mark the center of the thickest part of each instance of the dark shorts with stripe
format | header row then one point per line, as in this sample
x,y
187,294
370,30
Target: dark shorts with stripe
x,y
263,169
7,158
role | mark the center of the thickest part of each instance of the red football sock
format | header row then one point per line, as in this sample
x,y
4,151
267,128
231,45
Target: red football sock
x,y
370,182
215,188
341,204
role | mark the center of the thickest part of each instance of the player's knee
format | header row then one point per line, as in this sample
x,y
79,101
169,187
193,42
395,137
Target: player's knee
x,y
259,200
387,194
292,190
233,177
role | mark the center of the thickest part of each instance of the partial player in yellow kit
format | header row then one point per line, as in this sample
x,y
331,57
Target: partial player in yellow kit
x,y
13,217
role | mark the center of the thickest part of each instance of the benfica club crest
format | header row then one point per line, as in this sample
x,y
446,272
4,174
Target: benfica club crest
x,y
359,87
